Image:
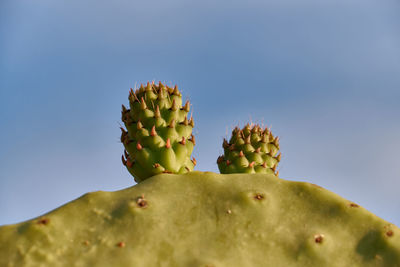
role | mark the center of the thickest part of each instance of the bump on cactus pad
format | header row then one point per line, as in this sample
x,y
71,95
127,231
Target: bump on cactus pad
x,y
158,136
250,150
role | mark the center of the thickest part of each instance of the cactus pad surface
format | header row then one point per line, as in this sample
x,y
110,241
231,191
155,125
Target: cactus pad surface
x,y
250,150
159,136
205,219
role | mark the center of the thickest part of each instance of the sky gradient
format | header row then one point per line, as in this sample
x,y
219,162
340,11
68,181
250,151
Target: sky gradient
x,y
325,75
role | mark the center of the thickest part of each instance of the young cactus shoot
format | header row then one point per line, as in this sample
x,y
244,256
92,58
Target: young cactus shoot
x,y
250,150
158,136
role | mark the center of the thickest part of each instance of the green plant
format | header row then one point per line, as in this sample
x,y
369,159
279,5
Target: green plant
x,y
245,216
158,136
204,219
250,150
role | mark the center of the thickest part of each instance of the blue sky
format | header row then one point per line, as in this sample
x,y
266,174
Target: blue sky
x,y
325,75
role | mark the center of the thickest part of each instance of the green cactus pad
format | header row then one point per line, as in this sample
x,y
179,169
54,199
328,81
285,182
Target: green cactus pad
x,y
205,219
250,150
159,136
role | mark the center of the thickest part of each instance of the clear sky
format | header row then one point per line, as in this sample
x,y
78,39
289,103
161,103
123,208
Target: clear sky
x,y
324,74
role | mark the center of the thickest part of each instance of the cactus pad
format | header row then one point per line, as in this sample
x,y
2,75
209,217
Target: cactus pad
x,y
205,219
159,136
250,150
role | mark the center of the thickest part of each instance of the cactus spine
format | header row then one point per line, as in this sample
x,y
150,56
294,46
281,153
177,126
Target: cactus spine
x,y
250,150
158,136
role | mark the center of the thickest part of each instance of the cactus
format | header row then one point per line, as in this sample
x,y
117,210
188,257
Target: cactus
x,y
205,219
191,218
159,135
250,150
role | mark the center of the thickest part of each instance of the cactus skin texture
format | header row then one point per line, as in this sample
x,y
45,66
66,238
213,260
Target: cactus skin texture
x,y
250,150
204,219
159,136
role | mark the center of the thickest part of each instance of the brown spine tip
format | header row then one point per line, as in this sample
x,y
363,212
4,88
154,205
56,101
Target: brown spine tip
x,y
247,140
251,165
191,122
132,96
183,141
277,173
238,134
172,124
194,161
142,103
124,109
235,130
192,139
225,143
129,163
186,107
278,158
139,146
176,91
121,244
168,143
149,86
276,141
264,165
228,162
157,113
174,106
126,154
274,167
156,165
241,153
241,133
220,159
232,147
153,131
123,160
185,122
258,150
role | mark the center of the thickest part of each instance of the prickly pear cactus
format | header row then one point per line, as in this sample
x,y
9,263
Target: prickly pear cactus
x,y
250,150
204,219
201,219
158,136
